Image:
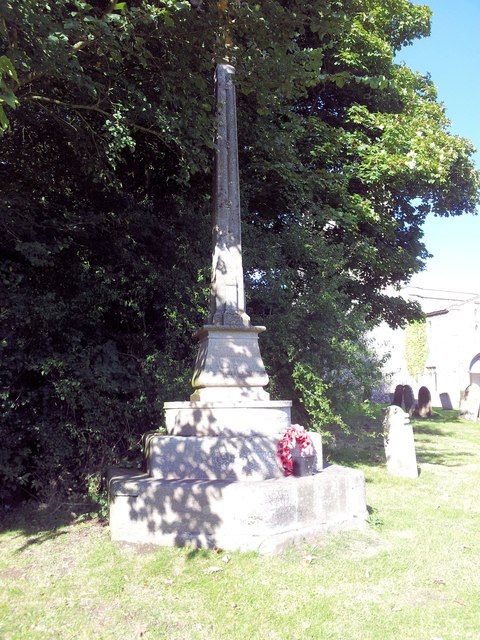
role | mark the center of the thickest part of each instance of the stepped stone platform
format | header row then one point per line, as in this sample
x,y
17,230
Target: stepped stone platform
x,y
211,458
229,493
263,515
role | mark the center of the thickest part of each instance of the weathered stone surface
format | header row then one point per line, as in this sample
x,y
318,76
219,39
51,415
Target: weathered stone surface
x,y
229,366
247,418
265,515
399,443
217,458
403,397
424,408
227,300
408,403
470,405
398,395
446,401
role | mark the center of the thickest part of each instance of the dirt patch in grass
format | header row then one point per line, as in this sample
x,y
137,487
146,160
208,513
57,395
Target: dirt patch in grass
x,y
12,574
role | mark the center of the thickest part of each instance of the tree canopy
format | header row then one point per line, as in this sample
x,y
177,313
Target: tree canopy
x,y
106,162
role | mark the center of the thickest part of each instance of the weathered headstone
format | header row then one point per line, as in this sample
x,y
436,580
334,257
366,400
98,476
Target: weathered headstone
x,y
399,443
445,401
424,409
408,402
470,405
398,395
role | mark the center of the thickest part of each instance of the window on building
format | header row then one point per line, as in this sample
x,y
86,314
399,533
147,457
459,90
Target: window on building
x,y
432,374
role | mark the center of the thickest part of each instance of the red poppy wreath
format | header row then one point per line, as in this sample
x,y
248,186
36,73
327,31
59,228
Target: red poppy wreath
x,y
293,435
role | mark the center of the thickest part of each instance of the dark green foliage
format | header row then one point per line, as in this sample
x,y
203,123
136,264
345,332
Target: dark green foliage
x,y
106,187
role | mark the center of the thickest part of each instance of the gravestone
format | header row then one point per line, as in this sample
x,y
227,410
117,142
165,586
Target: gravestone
x,y
215,480
408,401
424,408
398,395
399,444
446,401
470,404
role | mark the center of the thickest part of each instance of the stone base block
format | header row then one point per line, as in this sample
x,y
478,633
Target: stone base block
x,y
249,418
229,364
263,516
216,458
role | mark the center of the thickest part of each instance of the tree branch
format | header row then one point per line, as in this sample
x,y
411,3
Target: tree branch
x,y
96,109
78,46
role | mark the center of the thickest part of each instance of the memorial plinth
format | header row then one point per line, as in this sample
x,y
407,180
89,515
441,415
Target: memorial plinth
x,y
229,365
216,458
227,419
215,480
258,515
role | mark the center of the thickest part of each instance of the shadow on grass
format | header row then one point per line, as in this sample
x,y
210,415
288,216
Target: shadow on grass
x,y
441,416
42,522
356,450
193,554
454,459
365,447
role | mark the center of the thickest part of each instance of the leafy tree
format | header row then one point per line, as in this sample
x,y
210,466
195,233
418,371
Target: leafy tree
x,y
106,190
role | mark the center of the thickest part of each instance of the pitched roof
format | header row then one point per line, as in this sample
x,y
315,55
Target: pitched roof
x,y
438,301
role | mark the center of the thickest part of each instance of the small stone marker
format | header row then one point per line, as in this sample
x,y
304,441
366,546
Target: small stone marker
x,y
398,395
446,402
470,405
399,444
403,397
424,409
408,403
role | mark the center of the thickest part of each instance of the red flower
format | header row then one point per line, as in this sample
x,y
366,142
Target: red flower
x,y
295,434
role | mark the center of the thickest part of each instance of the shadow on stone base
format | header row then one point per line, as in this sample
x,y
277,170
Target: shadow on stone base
x,y
263,516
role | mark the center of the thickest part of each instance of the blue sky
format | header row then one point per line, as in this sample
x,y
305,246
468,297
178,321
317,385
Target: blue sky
x,y
452,56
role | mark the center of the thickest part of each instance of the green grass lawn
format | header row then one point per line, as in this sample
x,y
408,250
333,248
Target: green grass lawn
x,y
412,575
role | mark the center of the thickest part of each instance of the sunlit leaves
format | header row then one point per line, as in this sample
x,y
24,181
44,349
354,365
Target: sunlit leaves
x,y
8,77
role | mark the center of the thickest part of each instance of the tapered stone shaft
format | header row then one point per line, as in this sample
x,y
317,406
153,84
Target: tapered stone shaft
x,y
229,367
227,298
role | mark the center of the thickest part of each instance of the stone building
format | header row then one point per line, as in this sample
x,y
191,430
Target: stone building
x,y
453,337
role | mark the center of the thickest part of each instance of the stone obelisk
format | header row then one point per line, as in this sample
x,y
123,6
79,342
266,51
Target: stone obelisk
x,y
227,297
215,480
229,376
229,365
